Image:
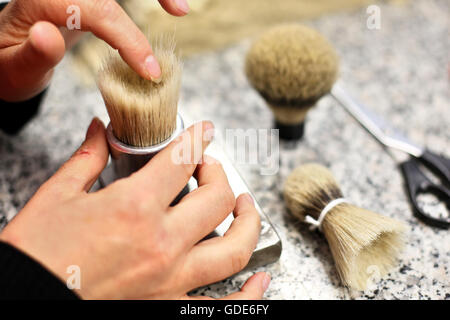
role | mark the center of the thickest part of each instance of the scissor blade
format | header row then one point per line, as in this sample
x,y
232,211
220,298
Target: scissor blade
x,y
374,124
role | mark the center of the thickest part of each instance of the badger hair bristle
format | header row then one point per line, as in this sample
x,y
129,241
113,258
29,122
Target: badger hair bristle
x,y
361,241
291,66
142,112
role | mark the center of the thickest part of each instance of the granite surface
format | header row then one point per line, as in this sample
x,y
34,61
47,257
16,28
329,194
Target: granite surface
x,y
400,70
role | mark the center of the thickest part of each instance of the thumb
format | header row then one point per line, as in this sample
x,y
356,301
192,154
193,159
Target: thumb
x,y
81,171
253,289
30,64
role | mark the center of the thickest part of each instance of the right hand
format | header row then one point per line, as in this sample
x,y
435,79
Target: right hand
x,y
32,43
127,240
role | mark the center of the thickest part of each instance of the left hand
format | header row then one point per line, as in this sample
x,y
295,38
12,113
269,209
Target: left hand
x,y
33,40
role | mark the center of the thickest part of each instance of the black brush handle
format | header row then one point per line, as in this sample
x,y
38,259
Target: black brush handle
x,y
290,132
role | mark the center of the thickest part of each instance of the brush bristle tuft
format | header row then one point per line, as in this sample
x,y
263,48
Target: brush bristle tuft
x,y
142,112
362,242
291,66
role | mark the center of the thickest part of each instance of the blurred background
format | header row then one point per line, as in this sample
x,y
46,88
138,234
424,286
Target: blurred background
x,y
213,24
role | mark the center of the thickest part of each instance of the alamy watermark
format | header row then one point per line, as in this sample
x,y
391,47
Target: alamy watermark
x,y
74,280
374,276
373,21
73,22
255,147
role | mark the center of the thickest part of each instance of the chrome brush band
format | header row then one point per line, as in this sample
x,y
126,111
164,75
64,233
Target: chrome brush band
x,y
127,159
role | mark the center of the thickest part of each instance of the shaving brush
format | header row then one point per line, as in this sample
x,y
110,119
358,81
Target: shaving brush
x,y
143,113
358,238
292,66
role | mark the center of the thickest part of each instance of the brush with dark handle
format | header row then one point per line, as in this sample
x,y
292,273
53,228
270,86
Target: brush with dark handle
x,y
291,66
416,181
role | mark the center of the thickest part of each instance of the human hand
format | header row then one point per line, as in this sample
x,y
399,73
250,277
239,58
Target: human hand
x,y
31,44
126,239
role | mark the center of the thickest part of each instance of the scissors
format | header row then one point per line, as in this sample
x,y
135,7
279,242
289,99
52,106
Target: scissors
x,y
417,182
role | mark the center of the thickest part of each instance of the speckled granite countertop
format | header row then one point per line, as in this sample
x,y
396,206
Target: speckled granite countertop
x,y
400,71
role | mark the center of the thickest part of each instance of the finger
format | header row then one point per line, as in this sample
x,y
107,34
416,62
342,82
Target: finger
x,y
31,63
170,170
217,258
81,171
105,18
202,210
253,288
175,7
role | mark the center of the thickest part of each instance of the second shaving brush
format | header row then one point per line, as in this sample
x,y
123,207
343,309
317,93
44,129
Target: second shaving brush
x,y
359,239
143,113
292,66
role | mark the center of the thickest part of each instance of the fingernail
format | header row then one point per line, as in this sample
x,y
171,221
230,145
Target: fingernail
x,y
182,5
93,128
265,282
153,68
248,198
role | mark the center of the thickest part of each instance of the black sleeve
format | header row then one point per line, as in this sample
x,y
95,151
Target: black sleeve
x,y
14,115
23,278
20,276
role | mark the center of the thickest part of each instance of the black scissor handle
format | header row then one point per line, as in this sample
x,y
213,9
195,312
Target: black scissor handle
x,y
417,183
438,164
